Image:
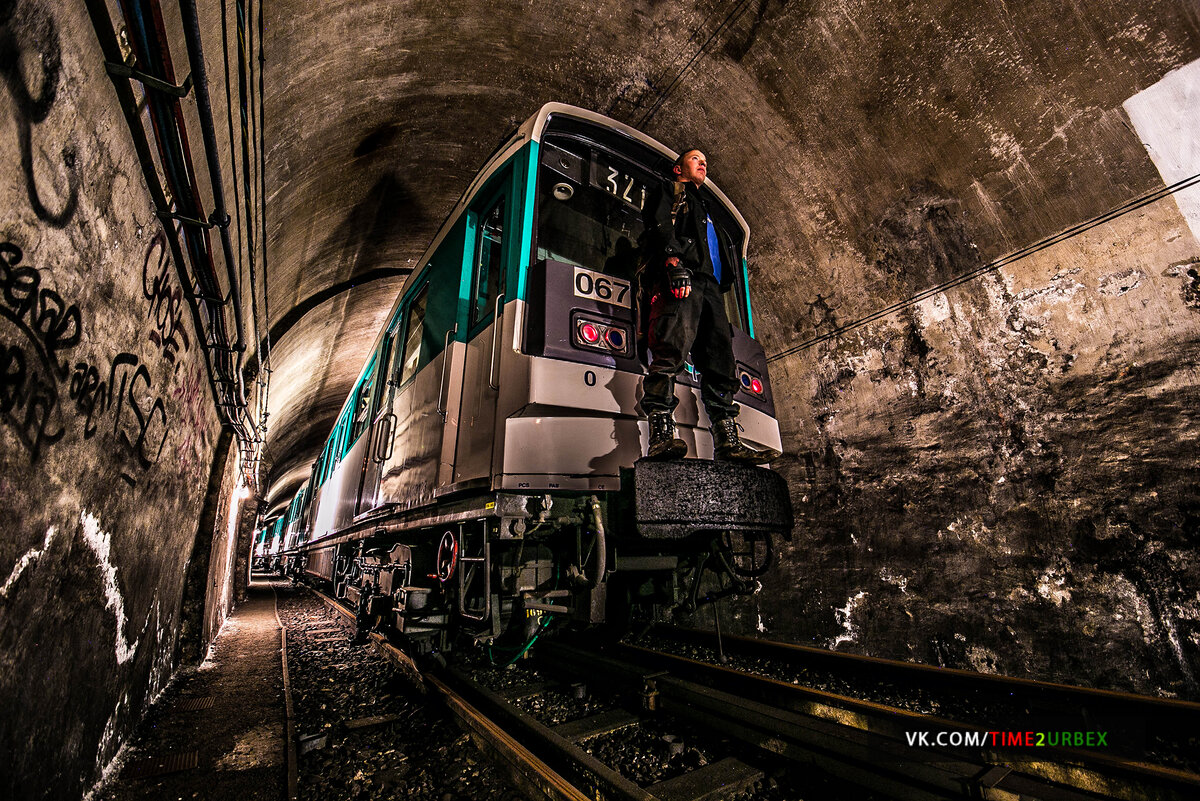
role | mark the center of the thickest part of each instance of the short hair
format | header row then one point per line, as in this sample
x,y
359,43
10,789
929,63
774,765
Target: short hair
x,y
683,153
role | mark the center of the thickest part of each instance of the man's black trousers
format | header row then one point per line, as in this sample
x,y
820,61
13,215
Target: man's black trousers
x,y
696,324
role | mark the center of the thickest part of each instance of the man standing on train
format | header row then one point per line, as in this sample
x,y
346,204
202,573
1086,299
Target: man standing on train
x,y
691,264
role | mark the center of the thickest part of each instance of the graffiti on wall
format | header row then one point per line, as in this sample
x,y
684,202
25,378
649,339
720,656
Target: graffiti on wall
x,y
29,43
103,397
190,396
43,391
166,300
31,368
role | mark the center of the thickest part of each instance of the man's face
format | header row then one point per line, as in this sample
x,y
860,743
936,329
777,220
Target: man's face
x,y
694,167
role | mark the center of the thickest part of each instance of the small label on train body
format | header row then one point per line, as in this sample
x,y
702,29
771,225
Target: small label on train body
x,y
604,288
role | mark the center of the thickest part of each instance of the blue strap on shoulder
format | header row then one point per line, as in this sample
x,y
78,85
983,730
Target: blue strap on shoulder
x,y
714,250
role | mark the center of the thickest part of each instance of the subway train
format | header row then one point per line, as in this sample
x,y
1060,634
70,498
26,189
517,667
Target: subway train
x,y
482,483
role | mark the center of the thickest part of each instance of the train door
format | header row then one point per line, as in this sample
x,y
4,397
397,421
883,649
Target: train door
x,y
427,370
355,446
383,425
488,230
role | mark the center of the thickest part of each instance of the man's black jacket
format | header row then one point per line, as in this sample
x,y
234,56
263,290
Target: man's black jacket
x,y
686,238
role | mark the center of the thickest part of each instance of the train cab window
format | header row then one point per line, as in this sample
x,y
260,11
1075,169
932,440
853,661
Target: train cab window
x,y
489,268
731,233
414,334
589,207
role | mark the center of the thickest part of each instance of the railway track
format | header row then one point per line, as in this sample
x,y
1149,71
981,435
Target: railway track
x,y
571,727
1152,749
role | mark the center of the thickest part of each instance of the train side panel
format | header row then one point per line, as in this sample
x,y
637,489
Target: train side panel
x,y
423,439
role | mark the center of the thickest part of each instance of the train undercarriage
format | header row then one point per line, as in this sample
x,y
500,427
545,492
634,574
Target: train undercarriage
x,y
501,569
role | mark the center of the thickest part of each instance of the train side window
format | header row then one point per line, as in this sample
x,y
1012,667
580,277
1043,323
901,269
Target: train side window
x,y
414,330
489,263
362,404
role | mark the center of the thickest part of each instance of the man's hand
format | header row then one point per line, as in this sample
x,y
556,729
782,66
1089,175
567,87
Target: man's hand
x,y
679,278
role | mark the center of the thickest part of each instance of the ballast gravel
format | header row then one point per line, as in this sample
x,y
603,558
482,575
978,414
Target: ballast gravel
x,y
367,731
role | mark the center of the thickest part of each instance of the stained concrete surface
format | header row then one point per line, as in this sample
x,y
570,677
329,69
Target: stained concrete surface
x,y
240,740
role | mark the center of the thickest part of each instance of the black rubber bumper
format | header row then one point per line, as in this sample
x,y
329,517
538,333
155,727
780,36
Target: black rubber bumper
x,y
679,498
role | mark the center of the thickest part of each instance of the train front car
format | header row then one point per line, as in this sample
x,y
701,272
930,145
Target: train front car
x,y
577,415
569,417
483,480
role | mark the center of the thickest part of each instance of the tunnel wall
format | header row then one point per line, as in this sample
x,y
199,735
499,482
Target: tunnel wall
x,y
999,477
108,429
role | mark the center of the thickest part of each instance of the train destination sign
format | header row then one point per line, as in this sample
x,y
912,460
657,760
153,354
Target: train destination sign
x,y
618,183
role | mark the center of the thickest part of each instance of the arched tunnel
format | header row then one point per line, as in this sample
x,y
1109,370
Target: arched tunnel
x,y
973,264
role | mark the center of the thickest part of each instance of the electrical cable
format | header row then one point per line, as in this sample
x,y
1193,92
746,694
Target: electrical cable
x,y
186,221
731,17
667,69
1016,255
265,361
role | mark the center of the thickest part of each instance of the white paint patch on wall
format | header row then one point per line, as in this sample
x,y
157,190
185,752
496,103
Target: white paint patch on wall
x,y
843,616
934,310
100,542
1164,116
29,557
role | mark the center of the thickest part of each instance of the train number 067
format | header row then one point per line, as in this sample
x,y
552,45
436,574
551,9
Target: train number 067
x,y
598,286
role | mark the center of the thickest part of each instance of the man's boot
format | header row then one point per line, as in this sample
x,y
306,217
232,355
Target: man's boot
x,y
663,442
730,448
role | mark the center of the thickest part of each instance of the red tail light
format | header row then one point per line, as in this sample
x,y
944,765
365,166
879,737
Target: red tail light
x,y
600,336
750,383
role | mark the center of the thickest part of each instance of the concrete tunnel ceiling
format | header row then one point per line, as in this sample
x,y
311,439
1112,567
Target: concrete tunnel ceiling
x,y
822,121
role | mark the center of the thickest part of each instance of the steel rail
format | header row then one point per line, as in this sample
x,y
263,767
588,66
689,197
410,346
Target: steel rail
x,y
1043,697
781,716
527,769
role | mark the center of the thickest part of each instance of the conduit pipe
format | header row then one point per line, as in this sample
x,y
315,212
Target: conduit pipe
x,y
223,362
191,32
102,24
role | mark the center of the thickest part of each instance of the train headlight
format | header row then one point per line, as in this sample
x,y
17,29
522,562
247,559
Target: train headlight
x,y
589,333
756,386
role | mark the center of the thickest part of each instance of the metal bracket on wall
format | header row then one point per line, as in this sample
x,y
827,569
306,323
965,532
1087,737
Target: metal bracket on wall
x,y
149,81
210,223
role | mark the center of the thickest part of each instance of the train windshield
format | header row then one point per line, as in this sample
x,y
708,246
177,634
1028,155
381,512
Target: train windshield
x,y
590,205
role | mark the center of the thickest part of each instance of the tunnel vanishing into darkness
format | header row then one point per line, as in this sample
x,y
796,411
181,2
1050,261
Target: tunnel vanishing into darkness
x,y
975,266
